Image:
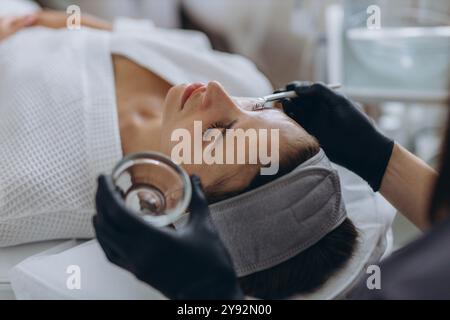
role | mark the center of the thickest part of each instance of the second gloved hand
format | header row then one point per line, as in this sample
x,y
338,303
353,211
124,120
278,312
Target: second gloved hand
x,y
191,263
347,135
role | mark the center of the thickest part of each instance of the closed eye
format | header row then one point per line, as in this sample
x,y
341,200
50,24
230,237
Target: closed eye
x,y
220,126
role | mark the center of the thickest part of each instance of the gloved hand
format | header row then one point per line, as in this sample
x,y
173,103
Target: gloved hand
x,y
347,135
187,264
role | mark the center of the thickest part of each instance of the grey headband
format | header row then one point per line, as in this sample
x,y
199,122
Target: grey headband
x,y
273,223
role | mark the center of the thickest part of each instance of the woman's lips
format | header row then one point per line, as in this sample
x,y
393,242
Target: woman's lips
x,y
189,91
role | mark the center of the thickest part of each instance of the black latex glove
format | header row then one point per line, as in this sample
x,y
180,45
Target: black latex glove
x,y
191,263
347,135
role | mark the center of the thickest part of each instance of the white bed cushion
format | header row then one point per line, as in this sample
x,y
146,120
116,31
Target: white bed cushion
x,y
11,256
44,276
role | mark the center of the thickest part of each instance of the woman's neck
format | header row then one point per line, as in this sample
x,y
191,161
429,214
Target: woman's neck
x,y
140,98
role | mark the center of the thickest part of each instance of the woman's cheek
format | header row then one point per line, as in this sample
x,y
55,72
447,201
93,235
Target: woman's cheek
x,y
172,105
205,172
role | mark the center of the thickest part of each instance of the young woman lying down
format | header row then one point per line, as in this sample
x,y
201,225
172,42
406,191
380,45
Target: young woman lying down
x,y
73,103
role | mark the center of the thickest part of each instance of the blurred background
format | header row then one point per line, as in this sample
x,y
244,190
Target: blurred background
x,y
398,73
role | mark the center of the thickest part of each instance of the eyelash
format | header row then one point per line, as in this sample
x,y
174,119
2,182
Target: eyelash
x,y
218,125
256,106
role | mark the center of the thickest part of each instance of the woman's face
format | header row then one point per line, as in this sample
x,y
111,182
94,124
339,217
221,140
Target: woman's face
x,y
216,109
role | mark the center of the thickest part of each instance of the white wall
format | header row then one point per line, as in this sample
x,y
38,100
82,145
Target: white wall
x,y
281,36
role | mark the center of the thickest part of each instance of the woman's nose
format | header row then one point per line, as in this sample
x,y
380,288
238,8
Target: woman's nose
x,y
217,98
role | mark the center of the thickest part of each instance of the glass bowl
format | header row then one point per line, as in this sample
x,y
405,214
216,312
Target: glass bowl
x,y
153,187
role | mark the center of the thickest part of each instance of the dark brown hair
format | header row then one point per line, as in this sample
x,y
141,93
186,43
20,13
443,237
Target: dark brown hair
x,y
308,270
440,202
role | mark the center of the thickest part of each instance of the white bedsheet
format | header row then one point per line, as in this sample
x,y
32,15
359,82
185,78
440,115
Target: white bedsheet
x,y
11,256
44,276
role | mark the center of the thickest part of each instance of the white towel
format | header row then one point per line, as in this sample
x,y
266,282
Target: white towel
x,y
58,131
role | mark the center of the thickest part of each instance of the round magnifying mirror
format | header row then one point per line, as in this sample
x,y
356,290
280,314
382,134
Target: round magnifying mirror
x,y
153,187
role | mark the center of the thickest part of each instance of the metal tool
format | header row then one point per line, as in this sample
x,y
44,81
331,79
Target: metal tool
x,y
262,102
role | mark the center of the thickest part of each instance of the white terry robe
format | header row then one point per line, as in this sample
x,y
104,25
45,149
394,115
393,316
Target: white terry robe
x,y
58,118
